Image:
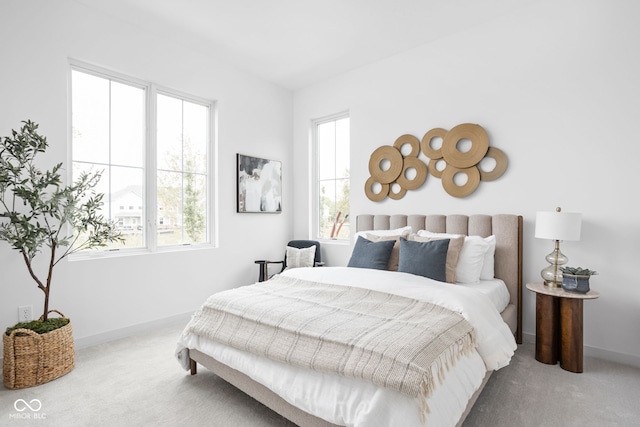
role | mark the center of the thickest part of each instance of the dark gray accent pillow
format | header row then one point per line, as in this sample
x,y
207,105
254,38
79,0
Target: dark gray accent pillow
x,y
368,254
428,259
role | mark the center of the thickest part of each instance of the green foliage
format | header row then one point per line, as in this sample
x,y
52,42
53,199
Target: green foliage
x,y
40,326
183,201
193,216
37,210
331,205
578,271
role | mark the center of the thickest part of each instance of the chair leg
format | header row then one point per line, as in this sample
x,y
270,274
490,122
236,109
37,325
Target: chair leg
x,y
263,272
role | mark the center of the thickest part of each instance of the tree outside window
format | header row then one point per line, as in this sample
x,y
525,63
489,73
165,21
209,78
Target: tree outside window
x,y
333,181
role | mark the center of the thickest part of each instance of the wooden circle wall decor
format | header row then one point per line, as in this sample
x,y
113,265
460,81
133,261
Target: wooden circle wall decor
x,y
393,155
473,180
396,195
433,167
412,141
368,190
501,164
418,180
430,152
456,162
479,145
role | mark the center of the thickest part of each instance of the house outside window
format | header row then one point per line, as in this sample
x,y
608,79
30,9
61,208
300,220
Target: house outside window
x,y
331,136
153,147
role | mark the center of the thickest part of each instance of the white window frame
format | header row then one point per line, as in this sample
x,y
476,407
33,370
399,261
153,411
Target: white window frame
x,y
315,179
150,161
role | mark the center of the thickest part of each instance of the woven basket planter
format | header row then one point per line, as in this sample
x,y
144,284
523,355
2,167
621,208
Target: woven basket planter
x,y
32,359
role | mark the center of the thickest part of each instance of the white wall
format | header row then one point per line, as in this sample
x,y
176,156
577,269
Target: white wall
x,y
255,118
555,85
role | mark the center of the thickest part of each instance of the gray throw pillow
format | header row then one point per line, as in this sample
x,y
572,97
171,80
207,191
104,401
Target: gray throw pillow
x,y
368,254
428,259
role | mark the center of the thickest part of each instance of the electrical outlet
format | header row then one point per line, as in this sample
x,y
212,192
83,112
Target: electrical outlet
x,y
25,313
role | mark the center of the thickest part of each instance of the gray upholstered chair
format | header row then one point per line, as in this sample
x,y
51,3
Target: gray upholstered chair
x,y
300,244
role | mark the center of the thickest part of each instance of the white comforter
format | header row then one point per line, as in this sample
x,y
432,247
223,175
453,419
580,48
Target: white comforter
x,y
353,402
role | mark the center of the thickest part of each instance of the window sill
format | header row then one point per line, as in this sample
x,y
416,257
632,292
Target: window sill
x,y
336,242
106,254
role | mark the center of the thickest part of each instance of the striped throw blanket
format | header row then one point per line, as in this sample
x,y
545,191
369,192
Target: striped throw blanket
x,y
392,341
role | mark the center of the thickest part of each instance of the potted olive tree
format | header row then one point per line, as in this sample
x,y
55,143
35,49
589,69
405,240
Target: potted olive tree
x,y
38,212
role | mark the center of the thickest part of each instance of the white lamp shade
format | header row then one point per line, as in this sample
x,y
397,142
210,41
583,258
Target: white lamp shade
x,y
558,225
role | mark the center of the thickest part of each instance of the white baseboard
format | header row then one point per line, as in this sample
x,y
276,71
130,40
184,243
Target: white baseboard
x,y
598,353
177,320
612,356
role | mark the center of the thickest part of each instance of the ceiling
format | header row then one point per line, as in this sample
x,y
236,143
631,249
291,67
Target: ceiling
x,y
295,43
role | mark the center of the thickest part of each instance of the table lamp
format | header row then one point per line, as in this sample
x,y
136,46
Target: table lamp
x,y
557,226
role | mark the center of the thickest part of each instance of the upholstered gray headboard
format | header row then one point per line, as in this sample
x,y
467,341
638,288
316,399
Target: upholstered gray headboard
x,y
506,227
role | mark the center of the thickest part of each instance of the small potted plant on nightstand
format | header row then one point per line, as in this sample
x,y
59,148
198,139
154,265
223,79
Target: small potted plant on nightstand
x,y
39,213
576,279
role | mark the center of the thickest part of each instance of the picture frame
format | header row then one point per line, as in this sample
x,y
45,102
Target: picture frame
x,y
259,185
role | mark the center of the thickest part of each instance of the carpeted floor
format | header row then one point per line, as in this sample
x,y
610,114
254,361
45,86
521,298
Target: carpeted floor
x,y
137,382
530,393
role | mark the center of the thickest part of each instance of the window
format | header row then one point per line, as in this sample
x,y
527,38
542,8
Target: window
x,y
331,137
182,170
153,147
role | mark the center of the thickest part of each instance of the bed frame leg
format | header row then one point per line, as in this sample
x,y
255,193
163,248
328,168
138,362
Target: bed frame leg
x,y
194,366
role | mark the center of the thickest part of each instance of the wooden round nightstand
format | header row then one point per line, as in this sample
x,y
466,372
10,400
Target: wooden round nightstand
x,y
559,327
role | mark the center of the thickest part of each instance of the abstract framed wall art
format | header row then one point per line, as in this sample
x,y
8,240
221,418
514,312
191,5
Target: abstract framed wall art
x,y
259,185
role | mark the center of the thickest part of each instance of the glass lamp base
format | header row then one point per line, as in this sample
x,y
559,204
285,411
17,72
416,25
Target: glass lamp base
x,y
552,275
553,284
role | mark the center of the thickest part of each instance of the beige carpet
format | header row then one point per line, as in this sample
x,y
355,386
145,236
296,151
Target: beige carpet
x,y
137,382
530,393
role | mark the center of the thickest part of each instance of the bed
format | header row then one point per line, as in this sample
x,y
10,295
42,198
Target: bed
x,y
315,397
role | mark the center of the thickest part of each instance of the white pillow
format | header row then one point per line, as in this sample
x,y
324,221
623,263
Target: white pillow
x,y
472,256
300,257
488,266
402,231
